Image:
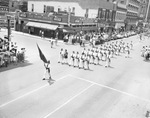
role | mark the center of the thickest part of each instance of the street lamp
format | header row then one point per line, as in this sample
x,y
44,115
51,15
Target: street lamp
x,y
8,26
81,24
114,8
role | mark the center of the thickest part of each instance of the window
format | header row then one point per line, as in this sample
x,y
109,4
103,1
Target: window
x,y
44,9
32,8
122,2
65,9
12,5
87,13
73,9
59,9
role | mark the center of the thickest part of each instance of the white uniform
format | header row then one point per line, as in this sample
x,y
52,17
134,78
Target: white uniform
x,y
108,61
47,74
87,60
72,59
82,60
61,57
77,60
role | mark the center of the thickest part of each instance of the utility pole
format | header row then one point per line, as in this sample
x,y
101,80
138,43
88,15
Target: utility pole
x,y
69,16
8,28
147,11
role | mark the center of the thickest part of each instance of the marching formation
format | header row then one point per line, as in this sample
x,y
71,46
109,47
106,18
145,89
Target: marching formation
x,y
95,55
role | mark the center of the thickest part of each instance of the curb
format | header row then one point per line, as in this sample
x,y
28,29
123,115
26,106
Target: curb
x,y
47,39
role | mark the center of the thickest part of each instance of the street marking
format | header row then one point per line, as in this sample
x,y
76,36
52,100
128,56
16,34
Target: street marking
x,y
104,86
31,92
68,101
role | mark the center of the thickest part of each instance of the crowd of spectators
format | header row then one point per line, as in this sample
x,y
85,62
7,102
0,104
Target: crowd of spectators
x,y
9,53
95,38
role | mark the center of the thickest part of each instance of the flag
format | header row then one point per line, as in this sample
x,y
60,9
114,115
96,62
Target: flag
x,y
43,58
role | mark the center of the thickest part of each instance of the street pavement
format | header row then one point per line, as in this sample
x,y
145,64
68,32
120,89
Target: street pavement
x,y
121,91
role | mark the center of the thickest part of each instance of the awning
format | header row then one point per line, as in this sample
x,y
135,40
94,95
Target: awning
x,y
68,30
42,25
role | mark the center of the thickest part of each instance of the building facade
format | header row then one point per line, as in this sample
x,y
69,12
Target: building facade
x,y
18,5
76,14
133,7
121,13
4,8
143,10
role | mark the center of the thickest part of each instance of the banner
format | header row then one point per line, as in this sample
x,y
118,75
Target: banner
x,y
43,58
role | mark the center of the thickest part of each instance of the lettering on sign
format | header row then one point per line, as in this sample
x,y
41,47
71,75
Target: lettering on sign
x,y
57,19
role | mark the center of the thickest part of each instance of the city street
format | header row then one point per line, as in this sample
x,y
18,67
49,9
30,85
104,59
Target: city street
x,y
121,91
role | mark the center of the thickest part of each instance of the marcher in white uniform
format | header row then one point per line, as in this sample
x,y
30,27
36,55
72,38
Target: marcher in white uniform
x,y
127,51
82,61
108,61
87,60
72,59
131,45
47,74
61,56
77,59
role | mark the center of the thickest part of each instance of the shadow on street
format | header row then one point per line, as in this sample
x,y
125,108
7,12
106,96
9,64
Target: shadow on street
x,y
13,66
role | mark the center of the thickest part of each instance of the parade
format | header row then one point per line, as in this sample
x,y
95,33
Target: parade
x,y
74,59
95,55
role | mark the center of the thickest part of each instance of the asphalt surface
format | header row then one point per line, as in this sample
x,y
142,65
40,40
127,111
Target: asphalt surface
x,y
121,91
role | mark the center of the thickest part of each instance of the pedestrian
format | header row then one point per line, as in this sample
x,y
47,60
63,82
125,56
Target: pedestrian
x,y
47,72
61,56
140,36
52,43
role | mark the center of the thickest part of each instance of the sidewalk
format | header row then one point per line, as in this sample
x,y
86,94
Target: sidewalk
x,y
29,35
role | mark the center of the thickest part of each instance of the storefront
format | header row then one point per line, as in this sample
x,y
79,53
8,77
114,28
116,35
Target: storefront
x,y
33,23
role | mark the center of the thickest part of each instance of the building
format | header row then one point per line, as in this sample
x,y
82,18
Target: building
x,y
121,12
18,5
68,14
4,8
133,7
